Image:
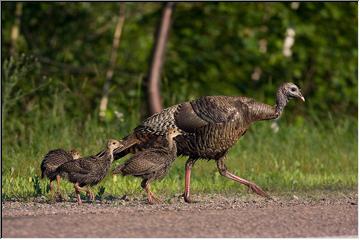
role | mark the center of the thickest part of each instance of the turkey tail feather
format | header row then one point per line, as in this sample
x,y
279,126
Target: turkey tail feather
x,y
43,169
127,143
118,169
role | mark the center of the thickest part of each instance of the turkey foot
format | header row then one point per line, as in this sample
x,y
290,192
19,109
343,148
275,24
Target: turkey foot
x,y
90,195
256,189
78,199
59,195
77,191
51,187
52,192
224,172
153,199
187,198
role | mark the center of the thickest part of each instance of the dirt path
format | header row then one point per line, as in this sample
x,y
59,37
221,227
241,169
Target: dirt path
x,y
212,216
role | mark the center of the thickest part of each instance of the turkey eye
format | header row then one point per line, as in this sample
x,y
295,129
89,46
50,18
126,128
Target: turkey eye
x,y
293,89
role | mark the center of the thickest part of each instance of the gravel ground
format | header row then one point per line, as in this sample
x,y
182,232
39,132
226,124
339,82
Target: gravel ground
x,y
307,215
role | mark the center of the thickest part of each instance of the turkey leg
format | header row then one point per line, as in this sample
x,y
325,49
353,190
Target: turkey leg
x,y
189,163
151,196
58,178
77,191
51,187
88,191
58,190
52,191
224,172
90,194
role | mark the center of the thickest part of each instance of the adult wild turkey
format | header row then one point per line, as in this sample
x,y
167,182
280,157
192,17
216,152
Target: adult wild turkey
x,y
88,171
52,160
210,126
151,164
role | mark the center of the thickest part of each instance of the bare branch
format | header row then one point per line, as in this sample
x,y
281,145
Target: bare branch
x,y
15,29
154,96
113,55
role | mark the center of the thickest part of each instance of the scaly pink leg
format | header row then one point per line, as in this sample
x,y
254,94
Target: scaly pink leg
x,y
58,189
77,191
224,172
58,178
155,198
189,163
51,187
90,194
145,184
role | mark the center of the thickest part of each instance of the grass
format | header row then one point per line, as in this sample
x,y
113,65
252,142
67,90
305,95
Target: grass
x,y
305,155
301,156
317,154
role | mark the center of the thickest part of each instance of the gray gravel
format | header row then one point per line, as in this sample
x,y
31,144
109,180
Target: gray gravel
x,y
215,215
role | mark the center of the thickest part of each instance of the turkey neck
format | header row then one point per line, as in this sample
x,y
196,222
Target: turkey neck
x,y
281,101
106,155
172,145
261,111
111,154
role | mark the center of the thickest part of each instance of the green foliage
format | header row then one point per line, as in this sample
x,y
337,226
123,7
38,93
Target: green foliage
x,y
302,156
101,192
215,48
220,56
36,184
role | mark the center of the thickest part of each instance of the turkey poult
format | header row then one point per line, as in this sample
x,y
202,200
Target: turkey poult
x,y
52,160
151,164
88,171
210,126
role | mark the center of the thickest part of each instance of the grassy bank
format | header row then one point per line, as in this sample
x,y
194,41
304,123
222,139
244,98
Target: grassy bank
x,y
301,156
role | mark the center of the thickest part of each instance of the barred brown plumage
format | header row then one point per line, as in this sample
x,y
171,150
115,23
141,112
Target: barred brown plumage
x,y
52,160
88,171
151,164
210,126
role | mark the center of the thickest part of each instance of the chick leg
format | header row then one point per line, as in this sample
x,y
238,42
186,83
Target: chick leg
x,y
90,194
145,184
77,192
88,191
51,186
58,178
58,190
52,190
154,197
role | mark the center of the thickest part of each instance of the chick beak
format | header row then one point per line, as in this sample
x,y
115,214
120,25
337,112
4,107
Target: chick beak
x,y
301,97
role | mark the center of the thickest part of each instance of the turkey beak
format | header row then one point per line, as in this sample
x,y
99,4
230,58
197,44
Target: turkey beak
x,y
116,150
301,97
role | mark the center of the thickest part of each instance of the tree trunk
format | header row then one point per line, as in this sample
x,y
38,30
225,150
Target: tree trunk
x,y
158,52
112,62
15,29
